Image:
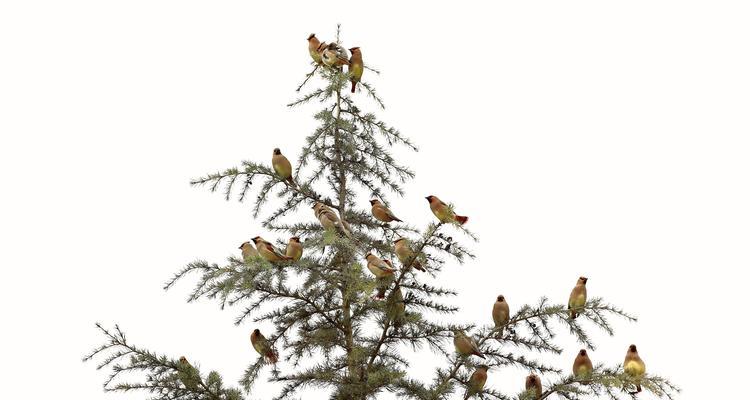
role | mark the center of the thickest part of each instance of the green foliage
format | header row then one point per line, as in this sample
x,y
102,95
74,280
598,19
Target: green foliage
x,y
331,328
162,377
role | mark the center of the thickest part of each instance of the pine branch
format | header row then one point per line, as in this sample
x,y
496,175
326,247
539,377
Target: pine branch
x,y
610,383
163,378
337,327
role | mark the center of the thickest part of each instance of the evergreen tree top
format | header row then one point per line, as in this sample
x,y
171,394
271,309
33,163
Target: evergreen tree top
x,y
350,298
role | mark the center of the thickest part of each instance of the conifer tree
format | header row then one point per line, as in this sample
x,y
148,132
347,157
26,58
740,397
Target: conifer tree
x,y
337,325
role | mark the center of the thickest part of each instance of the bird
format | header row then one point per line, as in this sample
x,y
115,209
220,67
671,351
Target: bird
x,y
263,347
294,248
577,297
382,285
406,255
500,314
634,366
188,375
313,44
334,55
329,220
443,212
268,252
582,367
381,212
282,166
465,345
396,307
534,384
476,381
378,267
356,67
248,251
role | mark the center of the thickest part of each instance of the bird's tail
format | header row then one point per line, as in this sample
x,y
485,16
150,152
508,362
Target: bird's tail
x,y
573,313
291,180
354,86
345,229
461,219
499,333
419,266
638,388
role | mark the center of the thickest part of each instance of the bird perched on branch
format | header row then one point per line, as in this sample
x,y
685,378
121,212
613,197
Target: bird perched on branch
x,y
582,367
396,307
263,347
378,267
534,384
634,366
328,218
356,67
466,345
248,251
406,254
268,252
313,47
443,212
294,248
282,166
335,55
187,374
476,381
500,314
577,298
381,286
381,212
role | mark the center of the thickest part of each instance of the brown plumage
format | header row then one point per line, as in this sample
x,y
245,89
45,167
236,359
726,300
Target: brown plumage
x,y
476,381
466,345
443,212
634,366
396,307
329,220
382,286
248,251
187,374
356,67
381,212
282,166
334,55
582,367
378,267
534,384
268,252
263,347
294,248
500,314
313,46
406,254
577,298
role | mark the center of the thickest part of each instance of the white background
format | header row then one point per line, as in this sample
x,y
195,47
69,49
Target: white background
x,y
586,138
